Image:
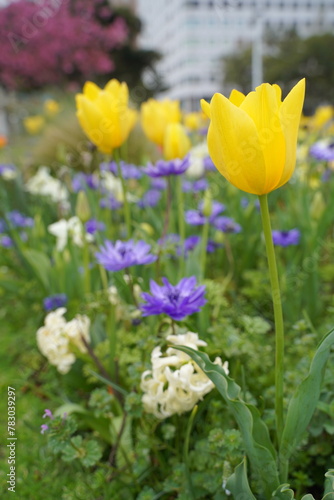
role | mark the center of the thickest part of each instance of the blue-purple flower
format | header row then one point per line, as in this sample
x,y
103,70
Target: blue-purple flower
x,y
286,238
323,150
54,302
158,183
164,168
6,241
227,225
82,181
197,218
129,171
93,225
19,220
177,301
110,203
208,164
123,254
150,199
196,186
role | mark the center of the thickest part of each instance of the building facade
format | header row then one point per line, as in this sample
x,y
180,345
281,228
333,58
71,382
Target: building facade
x,y
194,35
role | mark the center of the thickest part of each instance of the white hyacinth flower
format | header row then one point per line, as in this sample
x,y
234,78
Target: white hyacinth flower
x,y
176,383
71,228
43,184
57,337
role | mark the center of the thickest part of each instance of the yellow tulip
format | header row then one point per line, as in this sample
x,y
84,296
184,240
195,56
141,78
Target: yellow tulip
x,y
104,114
156,116
33,124
252,139
193,121
51,107
176,142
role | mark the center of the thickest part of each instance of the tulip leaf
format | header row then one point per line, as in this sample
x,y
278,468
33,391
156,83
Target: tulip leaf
x,y
238,485
260,451
283,492
329,483
305,399
40,265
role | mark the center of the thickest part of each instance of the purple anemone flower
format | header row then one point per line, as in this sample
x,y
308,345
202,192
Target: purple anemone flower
x,y
19,220
196,186
227,225
150,199
158,183
6,241
129,171
208,164
83,181
122,254
177,301
323,150
93,225
197,218
53,302
164,168
110,203
286,238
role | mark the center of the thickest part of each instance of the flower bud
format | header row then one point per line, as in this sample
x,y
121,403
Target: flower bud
x,y
317,206
207,203
82,208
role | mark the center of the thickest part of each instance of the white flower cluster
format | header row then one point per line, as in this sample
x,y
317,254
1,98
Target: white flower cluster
x,y
176,383
43,184
71,228
57,337
196,159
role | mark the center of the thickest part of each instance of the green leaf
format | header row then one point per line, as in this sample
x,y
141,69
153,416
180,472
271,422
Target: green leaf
x,y
283,492
93,453
308,497
255,435
329,484
40,264
305,399
238,485
69,408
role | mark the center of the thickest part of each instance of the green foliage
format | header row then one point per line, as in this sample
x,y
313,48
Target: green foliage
x,y
310,57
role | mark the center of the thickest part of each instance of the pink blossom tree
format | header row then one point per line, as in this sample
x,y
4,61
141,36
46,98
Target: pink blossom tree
x,y
52,42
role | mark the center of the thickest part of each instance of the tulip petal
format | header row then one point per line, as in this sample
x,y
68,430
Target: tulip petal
x,y
91,120
290,114
234,146
91,91
263,108
236,97
205,108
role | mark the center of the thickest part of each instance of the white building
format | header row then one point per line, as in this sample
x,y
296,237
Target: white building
x,y
194,35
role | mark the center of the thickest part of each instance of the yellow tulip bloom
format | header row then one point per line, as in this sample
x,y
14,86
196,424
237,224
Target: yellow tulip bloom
x,y
193,121
156,116
104,114
51,107
252,139
33,124
176,142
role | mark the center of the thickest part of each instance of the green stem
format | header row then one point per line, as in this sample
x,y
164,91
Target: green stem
x,y
86,269
186,450
204,244
278,315
126,206
111,331
182,231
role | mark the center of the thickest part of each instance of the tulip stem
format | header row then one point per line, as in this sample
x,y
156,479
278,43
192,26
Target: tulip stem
x,y
278,315
180,207
204,244
126,206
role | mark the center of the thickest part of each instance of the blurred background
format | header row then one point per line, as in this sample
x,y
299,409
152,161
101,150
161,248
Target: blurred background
x,y
176,49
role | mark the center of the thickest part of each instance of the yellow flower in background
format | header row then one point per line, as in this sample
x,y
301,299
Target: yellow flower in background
x,y
252,139
176,142
193,121
322,115
51,107
156,116
104,114
33,124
